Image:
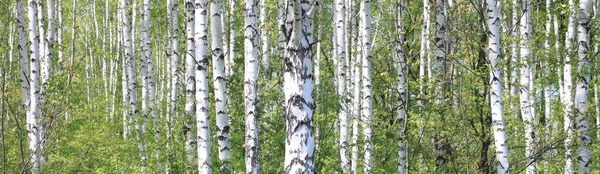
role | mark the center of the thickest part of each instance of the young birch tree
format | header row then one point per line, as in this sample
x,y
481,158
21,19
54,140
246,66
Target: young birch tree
x,y
340,53
583,79
367,107
500,140
202,116
23,54
251,61
298,88
220,86
190,88
33,108
401,68
526,88
568,90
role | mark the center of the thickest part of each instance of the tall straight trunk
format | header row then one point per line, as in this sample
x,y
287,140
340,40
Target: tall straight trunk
x,y
298,88
251,61
367,107
547,87
202,116
59,34
190,89
525,80
149,80
340,56
33,110
23,54
124,87
44,59
264,35
514,55
583,79
220,86
48,45
568,91
401,68
500,140
356,64
424,52
105,80
174,73
232,34
438,69
73,33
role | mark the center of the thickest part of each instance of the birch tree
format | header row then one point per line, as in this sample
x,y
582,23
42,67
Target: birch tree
x,y
401,68
583,79
251,51
33,109
232,36
173,19
190,87
202,117
367,107
525,96
500,140
340,53
23,54
264,35
298,88
220,86
149,80
568,90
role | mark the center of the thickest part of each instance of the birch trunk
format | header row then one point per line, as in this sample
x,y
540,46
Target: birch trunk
x,y
33,109
105,58
340,55
568,91
401,68
583,79
367,107
174,73
149,81
202,116
59,35
190,88
220,86
232,35
356,64
298,88
500,140
264,35
525,80
251,61
514,55
23,54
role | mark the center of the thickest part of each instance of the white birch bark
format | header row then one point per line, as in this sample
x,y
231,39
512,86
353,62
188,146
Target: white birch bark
x,y
173,19
220,86
149,82
49,42
190,89
366,101
59,35
583,79
356,64
124,76
340,55
568,91
401,68
33,110
525,80
232,36
105,80
514,55
298,88
264,35
23,54
500,140
251,64
202,116
424,51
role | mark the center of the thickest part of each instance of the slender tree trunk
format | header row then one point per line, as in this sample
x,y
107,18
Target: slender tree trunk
x,y
340,55
401,68
174,74
232,36
500,141
356,64
202,116
33,110
514,55
220,86
251,51
568,91
105,58
367,107
583,79
525,96
59,35
264,35
298,85
190,89
149,82
23,54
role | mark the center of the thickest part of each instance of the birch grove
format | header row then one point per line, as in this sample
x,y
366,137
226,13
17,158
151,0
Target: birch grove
x,y
292,86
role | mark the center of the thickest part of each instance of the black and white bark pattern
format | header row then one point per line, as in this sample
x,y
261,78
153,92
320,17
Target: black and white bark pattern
x,y
202,116
583,80
190,88
251,63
